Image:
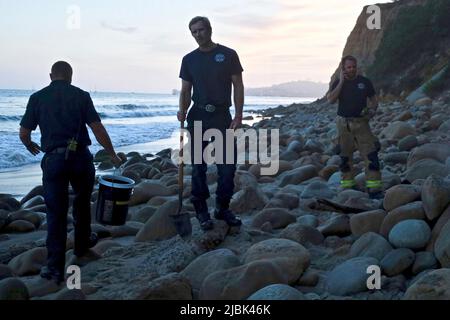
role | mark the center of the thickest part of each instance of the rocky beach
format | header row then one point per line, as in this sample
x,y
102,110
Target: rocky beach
x,y
302,237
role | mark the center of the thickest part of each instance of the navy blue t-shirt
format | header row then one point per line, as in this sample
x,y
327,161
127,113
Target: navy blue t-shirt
x,y
210,74
62,112
353,96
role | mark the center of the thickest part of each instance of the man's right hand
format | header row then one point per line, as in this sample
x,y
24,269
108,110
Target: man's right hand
x,y
116,161
342,75
181,115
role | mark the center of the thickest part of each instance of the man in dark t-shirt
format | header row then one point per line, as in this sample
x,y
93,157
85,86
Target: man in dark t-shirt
x,y
211,70
62,111
357,104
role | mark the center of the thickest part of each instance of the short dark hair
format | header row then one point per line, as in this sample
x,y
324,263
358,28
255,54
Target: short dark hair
x,y
349,57
205,21
62,69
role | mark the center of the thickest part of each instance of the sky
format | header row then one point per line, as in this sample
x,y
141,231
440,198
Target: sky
x,y
137,45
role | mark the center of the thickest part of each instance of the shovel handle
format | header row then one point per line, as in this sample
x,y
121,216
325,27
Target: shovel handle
x,y
181,166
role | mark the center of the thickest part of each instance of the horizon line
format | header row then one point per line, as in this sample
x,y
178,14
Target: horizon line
x,y
168,94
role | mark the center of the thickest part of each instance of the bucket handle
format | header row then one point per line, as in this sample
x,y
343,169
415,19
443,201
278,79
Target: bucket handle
x,y
115,173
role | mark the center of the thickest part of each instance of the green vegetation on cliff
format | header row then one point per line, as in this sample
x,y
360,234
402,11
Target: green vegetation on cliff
x,y
409,43
434,87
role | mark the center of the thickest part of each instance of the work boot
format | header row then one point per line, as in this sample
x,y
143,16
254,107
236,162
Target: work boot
x,y
93,240
52,275
82,260
222,212
202,213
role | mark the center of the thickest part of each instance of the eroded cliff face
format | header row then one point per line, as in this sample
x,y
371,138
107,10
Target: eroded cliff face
x,y
363,43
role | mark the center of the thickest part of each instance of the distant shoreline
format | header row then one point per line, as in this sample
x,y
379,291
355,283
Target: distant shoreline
x,y
169,93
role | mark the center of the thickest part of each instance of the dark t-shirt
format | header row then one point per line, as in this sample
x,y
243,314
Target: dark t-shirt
x,y
353,96
61,111
210,74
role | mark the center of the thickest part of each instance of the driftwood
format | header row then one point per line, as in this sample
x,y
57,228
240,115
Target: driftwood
x,y
328,205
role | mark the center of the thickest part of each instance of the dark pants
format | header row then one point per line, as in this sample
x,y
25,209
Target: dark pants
x,y
79,171
220,120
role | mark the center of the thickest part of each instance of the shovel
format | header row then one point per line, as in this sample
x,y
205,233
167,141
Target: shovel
x,y
182,219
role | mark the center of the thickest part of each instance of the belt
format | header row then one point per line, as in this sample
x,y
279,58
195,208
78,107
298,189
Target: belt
x,y
63,150
210,107
352,118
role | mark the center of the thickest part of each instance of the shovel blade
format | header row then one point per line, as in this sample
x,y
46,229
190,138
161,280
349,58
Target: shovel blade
x,y
182,222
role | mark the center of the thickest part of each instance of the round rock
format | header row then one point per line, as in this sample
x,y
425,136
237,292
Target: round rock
x,y
302,234
278,218
369,221
435,196
291,257
13,289
317,189
208,263
425,260
434,285
371,245
19,226
29,262
412,234
5,272
407,143
442,246
397,261
277,292
308,220
350,277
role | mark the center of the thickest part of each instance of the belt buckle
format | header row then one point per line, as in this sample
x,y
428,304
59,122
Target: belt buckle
x,y
210,108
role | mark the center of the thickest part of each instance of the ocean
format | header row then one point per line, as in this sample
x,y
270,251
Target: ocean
x,y
130,119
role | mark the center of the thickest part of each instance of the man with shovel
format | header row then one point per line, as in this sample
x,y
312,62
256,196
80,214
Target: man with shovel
x,y
211,70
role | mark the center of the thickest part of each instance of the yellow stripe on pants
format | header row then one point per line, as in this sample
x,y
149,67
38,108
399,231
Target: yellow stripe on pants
x,y
374,184
347,183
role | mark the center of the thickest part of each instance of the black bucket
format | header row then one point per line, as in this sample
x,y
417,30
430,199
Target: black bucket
x,y
114,194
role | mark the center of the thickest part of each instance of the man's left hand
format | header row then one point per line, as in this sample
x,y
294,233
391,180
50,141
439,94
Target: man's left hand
x,y
371,113
236,123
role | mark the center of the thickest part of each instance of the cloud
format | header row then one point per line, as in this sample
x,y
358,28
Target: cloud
x,y
118,27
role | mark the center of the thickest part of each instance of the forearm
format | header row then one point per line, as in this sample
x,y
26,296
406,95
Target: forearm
x,y
239,99
25,137
373,103
102,136
333,95
185,100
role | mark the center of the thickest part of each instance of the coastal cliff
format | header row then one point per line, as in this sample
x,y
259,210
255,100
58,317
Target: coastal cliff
x,y
412,45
